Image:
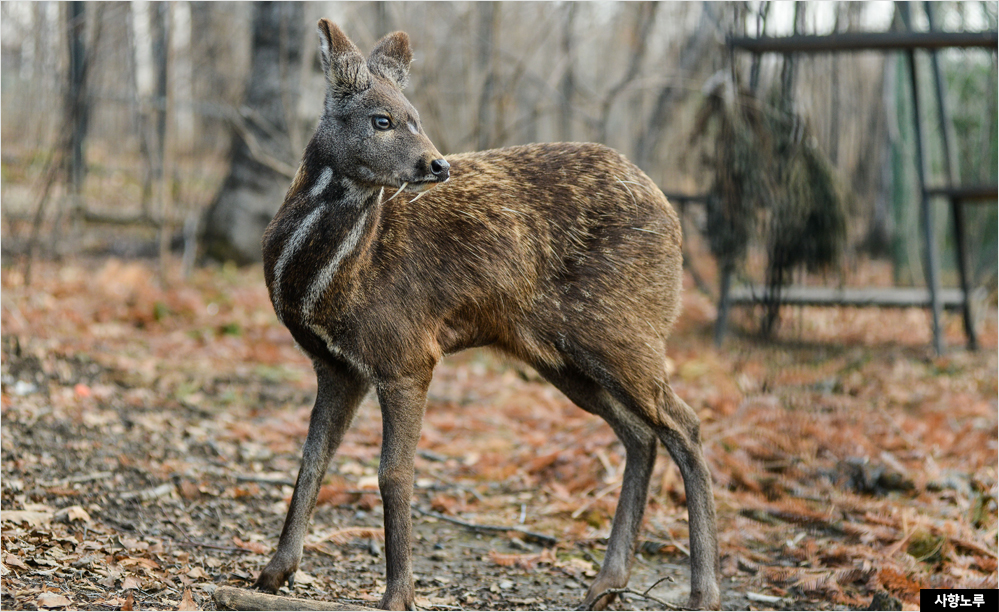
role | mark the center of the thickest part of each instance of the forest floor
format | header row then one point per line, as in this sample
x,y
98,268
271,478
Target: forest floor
x,y
151,434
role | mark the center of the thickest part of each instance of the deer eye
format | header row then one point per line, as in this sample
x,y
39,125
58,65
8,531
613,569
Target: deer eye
x,y
381,122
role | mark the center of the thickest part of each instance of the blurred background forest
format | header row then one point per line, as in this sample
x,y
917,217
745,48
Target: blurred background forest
x,y
138,128
154,407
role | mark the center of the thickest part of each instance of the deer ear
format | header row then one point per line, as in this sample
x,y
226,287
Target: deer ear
x,y
391,57
343,63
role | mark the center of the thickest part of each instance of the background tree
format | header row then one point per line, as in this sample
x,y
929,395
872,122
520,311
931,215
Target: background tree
x,y
238,108
262,148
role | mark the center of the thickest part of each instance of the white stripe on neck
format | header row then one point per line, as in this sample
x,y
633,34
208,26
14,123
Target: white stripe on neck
x,y
325,277
290,249
324,181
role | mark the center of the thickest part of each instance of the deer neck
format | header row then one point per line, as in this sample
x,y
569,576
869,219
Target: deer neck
x,y
319,240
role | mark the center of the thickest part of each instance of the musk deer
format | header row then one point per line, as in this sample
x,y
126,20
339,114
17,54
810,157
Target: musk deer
x,y
386,256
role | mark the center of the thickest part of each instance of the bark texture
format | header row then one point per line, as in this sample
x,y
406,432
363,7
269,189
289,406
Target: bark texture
x,y
261,148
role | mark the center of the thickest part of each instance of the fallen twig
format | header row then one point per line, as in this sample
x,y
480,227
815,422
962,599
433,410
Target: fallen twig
x,y
149,494
760,598
642,594
540,538
264,479
231,598
76,479
203,544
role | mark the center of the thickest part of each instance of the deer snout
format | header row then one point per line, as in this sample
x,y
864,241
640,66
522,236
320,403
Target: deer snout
x,y
440,169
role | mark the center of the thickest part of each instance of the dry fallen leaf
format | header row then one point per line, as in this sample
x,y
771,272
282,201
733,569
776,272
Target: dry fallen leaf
x,y
141,562
189,490
368,482
129,604
14,561
445,504
256,547
73,513
348,535
187,601
131,582
53,600
527,562
334,494
196,573
32,518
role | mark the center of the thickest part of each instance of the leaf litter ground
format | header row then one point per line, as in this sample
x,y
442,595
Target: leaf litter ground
x,y
151,437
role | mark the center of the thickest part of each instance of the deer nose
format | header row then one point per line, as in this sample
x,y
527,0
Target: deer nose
x,y
440,169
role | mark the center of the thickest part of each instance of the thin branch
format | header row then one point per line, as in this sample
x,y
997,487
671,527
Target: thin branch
x,y
644,595
257,151
56,166
265,480
540,538
646,17
77,479
203,544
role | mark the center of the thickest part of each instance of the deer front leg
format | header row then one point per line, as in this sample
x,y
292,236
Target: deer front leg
x,y
403,403
340,392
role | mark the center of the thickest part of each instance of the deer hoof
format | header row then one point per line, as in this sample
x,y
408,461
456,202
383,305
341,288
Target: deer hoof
x,y
398,601
609,579
270,580
601,603
704,601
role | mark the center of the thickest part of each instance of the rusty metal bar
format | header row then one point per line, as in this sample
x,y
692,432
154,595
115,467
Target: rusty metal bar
x,y
865,41
966,193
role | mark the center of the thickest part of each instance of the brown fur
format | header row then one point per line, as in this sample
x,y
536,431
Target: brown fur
x,y
565,256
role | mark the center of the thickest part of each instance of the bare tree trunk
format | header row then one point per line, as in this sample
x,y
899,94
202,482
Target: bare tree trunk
x,y
156,128
693,54
261,155
77,117
488,18
383,22
567,86
778,270
834,103
70,158
164,94
645,17
78,104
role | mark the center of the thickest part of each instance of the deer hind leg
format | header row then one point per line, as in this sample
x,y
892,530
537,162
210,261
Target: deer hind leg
x,y
339,394
644,395
640,447
678,427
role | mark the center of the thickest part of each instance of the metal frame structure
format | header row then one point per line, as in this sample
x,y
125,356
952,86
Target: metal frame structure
x,y
957,195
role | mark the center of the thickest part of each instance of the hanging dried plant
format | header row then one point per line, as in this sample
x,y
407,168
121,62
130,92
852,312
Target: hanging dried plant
x,y
770,182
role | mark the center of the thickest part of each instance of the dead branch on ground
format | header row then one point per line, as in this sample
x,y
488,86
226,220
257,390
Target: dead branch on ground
x,y
231,598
